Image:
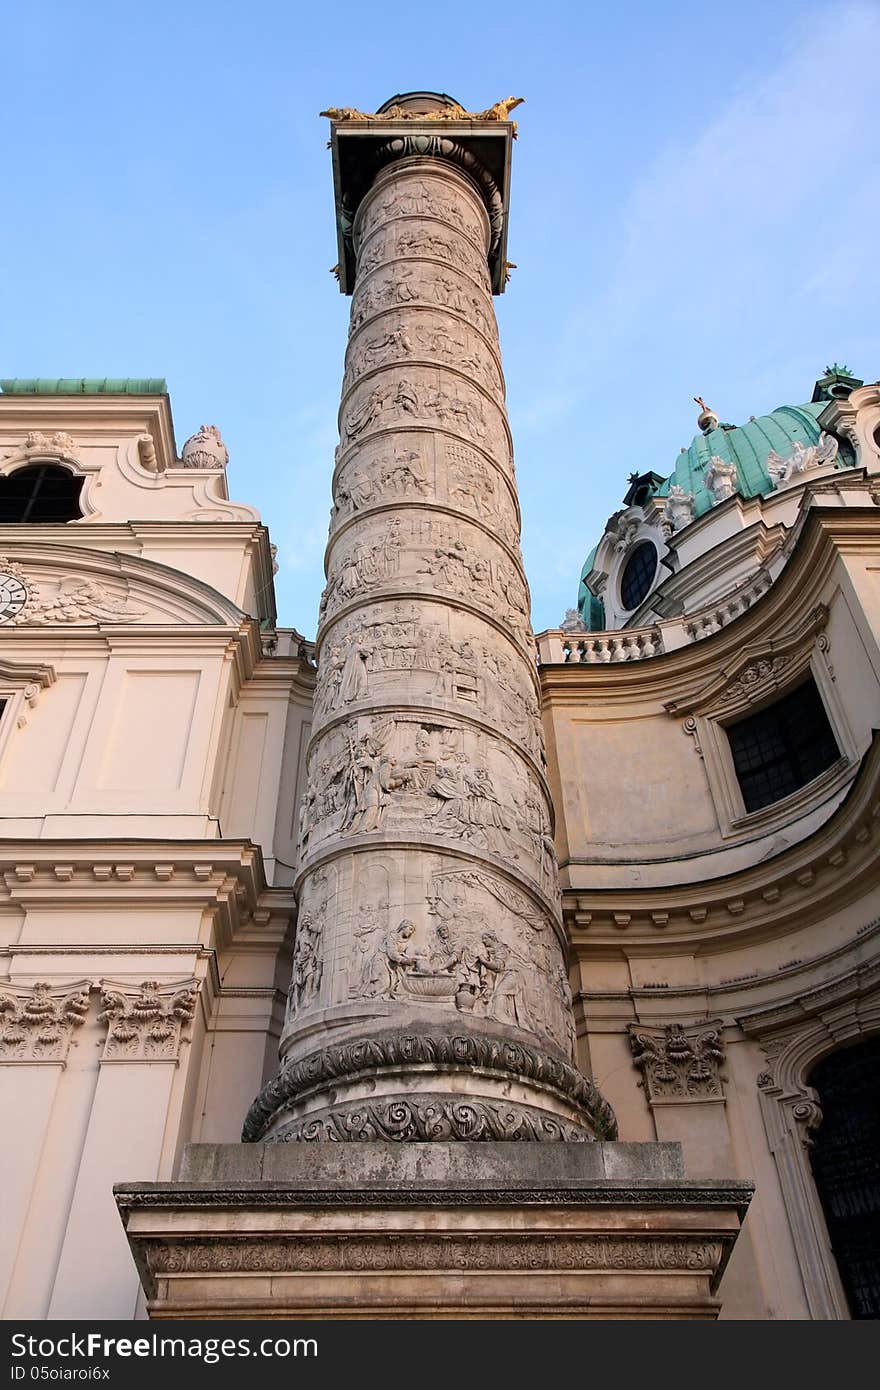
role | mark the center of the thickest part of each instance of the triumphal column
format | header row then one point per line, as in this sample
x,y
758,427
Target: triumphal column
x,y
429,997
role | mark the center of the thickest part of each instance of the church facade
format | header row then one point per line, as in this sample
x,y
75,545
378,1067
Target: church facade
x,y
614,884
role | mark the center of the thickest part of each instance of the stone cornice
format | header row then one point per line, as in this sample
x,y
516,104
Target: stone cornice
x,y
835,864
97,414
604,1192
224,879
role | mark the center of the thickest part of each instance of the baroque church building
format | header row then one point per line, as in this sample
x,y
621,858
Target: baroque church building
x,y
555,957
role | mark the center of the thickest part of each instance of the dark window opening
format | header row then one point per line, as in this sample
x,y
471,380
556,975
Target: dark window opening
x,y
780,749
846,1167
638,575
40,492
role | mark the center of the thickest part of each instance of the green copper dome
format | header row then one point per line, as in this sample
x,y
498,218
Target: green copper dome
x,y
748,446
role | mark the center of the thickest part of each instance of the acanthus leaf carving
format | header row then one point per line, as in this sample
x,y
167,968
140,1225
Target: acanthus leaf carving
x,y
37,1021
145,1024
679,1064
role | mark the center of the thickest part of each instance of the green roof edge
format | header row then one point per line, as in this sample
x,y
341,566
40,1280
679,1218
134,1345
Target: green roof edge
x,y
84,386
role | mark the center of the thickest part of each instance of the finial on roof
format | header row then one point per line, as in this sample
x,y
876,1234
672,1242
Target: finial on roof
x,y
707,419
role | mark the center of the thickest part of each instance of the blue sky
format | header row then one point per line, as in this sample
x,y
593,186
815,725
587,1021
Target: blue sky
x,y
695,211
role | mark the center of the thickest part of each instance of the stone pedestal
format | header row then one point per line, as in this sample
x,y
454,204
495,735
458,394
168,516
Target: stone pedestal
x,y
437,1230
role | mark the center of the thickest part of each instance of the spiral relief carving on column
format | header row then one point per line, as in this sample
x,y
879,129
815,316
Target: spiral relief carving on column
x,y
428,894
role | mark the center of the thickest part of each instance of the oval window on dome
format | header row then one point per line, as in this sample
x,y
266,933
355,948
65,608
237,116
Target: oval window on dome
x,y
638,574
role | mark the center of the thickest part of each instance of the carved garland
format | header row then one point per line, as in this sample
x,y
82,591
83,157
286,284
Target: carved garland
x,y
460,1051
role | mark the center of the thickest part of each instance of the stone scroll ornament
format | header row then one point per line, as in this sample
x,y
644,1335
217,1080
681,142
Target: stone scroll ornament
x,y
429,995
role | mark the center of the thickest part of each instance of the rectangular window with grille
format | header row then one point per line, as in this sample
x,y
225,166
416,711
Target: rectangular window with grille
x,y
783,747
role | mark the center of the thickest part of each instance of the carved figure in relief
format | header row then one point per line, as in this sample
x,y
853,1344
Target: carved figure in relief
x,y
367,413
444,956
402,956
484,808
395,340
367,786
357,493
451,789
353,681
307,962
79,601
372,963
501,982
39,445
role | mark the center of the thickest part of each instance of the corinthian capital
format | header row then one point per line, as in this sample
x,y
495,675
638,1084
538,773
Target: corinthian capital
x,y
37,1021
144,1023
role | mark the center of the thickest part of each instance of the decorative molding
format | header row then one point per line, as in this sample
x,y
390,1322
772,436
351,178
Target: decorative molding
x,y
146,1026
755,671
679,1064
602,1192
462,1051
431,1118
430,1250
794,1037
58,446
37,1021
78,601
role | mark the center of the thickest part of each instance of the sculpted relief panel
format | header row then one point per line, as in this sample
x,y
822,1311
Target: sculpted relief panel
x,y
398,338
422,196
466,941
428,398
421,467
428,554
423,241
414,653
416,777
419,285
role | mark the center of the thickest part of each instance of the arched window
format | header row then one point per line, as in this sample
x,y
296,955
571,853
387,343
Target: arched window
x,y
40,492
846,1166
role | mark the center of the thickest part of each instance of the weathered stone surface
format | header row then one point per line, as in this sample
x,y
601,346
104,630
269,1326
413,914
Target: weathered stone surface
x,y
433,1230
365,1165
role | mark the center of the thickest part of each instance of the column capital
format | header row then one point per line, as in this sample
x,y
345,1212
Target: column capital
x,y
431,126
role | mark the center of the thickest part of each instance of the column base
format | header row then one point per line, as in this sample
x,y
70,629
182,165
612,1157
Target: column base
x,y
433,1231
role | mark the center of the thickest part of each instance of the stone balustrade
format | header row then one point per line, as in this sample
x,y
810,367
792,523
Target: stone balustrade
x,y
561,647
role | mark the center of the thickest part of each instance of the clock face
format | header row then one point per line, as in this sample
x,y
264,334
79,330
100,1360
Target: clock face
x,y
13,597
